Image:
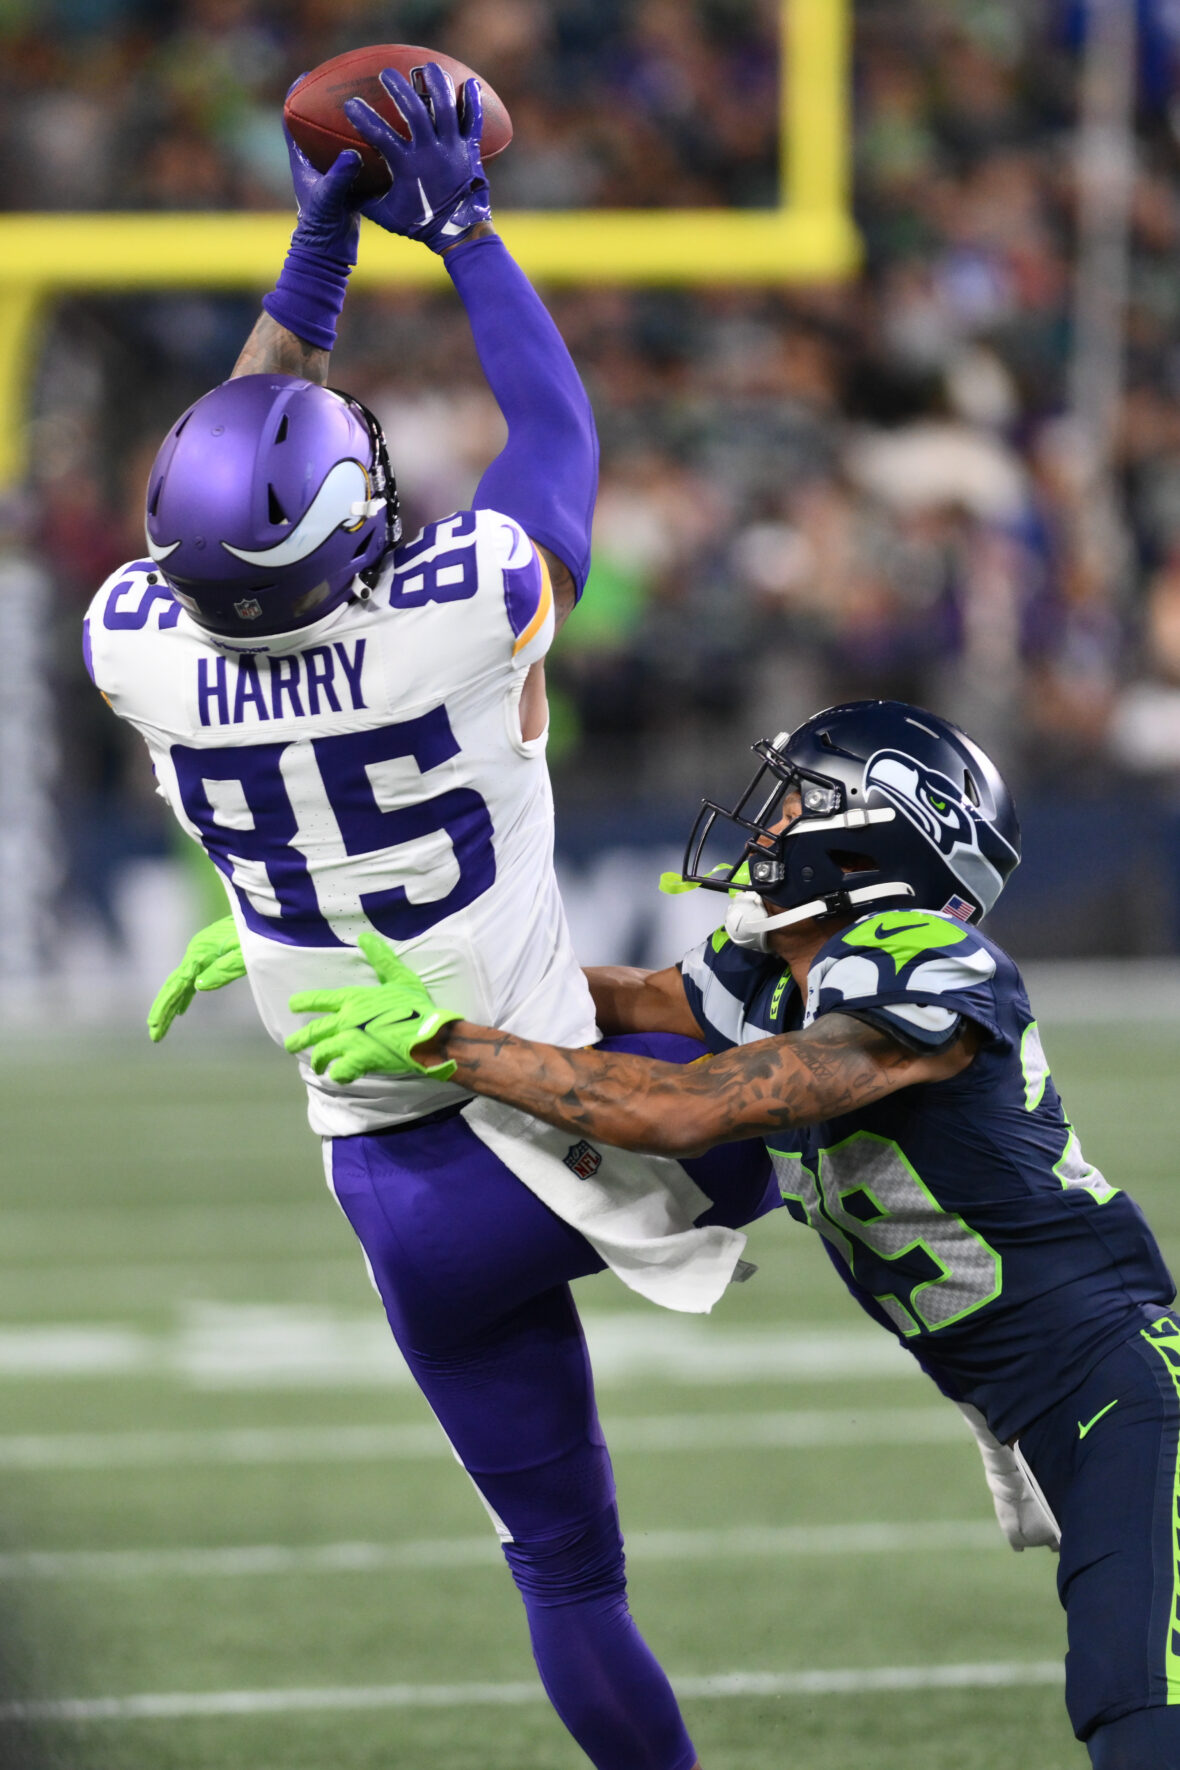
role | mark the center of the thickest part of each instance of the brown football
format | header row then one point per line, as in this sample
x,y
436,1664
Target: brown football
x,y
315,118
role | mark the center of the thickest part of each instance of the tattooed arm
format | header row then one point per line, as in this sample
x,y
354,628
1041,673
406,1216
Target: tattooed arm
x,y
272,350
835,1067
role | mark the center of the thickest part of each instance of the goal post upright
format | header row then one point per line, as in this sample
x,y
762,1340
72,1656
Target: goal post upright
x,y
809,237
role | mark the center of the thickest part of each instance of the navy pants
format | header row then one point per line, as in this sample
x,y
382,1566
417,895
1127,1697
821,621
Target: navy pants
x,y
1108,1460
474,1272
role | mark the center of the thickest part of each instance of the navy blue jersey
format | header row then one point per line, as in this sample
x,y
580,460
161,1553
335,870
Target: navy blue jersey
x,y
961,1212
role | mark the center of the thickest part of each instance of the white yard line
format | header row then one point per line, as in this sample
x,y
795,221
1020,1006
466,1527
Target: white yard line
x,y
219,1346
783,1429
840,1681
732,1543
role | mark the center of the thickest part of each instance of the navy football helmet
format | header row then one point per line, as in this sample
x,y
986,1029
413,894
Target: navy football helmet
x,y
899,808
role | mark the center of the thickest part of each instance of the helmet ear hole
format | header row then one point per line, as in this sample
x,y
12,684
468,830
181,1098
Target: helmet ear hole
x,y
849,862
281,432
154,498
274,510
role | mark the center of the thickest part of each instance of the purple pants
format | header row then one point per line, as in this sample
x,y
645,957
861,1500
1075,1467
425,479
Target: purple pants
x,y
474,1273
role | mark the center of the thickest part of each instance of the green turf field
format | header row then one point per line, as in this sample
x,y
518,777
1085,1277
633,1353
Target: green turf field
x,y
218,1487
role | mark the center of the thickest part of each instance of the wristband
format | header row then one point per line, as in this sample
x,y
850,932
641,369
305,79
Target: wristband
x,y
309,295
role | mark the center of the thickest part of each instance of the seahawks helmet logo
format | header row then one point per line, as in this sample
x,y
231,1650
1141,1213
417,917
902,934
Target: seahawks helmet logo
x,y
949,821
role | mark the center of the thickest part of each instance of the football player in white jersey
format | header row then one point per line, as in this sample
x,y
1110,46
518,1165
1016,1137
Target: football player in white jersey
x,y
354,728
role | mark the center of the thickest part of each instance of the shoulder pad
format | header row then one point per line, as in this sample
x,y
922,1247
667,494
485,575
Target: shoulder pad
x,y
895,955
484,554
132,600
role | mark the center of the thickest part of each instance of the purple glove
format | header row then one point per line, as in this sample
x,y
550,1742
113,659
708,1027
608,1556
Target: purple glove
x,y
309,294
439,188
328,223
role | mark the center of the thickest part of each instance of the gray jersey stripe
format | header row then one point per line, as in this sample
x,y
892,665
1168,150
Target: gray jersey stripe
x,y
723,1012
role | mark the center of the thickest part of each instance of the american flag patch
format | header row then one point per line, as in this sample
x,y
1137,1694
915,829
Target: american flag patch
x,y
959,907
583,1160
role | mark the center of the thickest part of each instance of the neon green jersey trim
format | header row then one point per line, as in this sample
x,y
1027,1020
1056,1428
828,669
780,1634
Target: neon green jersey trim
x,y
1074,1171
1034,1066
903,934
1164,1336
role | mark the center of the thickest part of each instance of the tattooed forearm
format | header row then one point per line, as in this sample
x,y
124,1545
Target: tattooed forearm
x,y
272,350
665,1109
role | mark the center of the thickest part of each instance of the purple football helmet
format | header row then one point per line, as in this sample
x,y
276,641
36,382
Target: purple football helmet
x,y
267,500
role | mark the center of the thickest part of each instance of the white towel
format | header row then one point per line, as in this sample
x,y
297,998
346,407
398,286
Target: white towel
x,y
637,1211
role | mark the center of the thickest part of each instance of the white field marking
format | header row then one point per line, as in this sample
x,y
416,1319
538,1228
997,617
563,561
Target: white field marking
x,y
734,1542
839,1681
265,1346
130,1280
804,1429
61,1349
75,1231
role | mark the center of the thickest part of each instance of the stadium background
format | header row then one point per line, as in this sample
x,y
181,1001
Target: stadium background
x,y
953,476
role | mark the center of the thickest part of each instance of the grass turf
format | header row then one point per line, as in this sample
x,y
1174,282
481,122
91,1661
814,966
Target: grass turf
x,y
140,1184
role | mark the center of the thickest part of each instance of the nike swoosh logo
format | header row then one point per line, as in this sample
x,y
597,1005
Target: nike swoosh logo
x,y
364,1025
1082,1430
453,227
427,211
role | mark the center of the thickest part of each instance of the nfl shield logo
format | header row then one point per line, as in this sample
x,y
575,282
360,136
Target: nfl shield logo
x,y
583,1160
248,609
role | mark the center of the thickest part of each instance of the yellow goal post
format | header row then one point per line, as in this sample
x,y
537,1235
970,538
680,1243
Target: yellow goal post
x,y
809,237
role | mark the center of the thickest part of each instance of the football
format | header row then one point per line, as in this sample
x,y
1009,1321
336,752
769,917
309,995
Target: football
x,y
314,114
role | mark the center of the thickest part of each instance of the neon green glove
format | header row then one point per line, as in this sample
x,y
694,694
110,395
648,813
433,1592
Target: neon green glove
x,y
212,958
372,1028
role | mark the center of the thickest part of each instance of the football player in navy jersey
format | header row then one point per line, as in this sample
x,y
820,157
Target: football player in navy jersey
x,y
885,1050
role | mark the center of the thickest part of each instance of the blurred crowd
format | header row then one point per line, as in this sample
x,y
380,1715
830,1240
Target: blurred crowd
x,y
171,104
807,493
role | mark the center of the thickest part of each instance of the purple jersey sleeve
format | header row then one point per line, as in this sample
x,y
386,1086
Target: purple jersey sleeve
x,y
546,476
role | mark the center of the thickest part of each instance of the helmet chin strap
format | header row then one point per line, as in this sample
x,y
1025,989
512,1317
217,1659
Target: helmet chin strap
x,y
748,922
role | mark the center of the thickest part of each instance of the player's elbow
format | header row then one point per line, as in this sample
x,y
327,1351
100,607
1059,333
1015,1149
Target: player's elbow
x,y
566,424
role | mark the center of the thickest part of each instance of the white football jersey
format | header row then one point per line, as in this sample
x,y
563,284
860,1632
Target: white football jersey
x,y
369,772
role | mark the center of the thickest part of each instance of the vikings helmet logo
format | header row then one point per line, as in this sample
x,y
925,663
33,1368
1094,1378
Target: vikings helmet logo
x,y
949,821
